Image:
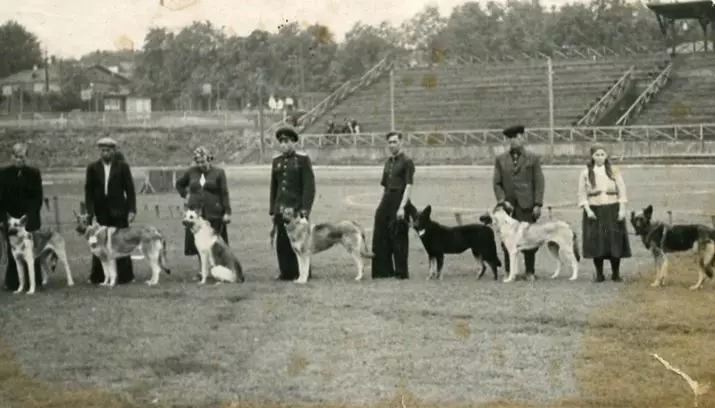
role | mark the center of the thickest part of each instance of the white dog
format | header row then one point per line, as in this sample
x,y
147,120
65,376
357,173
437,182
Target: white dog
x,y
27,246
519,236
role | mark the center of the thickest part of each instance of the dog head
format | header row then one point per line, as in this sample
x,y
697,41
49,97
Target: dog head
x,y
498,217
82,222
642,221
192,218
291,216
421,220
17,227
486,219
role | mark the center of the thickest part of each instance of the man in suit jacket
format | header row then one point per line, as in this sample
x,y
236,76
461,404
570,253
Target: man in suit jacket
x,y
519,186
110,197
21,194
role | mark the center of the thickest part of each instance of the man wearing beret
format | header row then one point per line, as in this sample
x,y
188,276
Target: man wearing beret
x,y
519,187
110,197
292,186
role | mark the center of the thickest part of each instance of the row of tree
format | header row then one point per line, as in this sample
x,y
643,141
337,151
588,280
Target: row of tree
x,y
173,66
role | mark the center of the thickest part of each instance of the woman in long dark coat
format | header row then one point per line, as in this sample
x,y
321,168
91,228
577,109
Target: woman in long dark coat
x,y
21,194
602,196
206,186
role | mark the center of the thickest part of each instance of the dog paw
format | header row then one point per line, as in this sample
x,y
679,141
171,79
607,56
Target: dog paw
x,y
17,292
202,282
301,281
358,278
655,284
30,292
70,284
508,280
573,278
695,287
151,283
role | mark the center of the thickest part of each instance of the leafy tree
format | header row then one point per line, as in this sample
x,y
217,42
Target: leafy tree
x,y
20,49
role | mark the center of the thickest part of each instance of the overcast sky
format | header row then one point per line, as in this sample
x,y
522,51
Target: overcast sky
x,y
70,28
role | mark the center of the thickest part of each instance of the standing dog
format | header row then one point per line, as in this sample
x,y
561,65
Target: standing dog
x,y
215,255
110,243
661,239
518,236
439,240
27,246
308,239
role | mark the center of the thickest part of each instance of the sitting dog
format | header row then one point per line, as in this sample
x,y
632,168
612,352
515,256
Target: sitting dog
x,y
308,239
661,239
216,257
110,243
519,236
439,240
26,247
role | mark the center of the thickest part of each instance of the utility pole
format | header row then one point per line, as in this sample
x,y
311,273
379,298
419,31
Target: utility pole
x,y
261,125
301,69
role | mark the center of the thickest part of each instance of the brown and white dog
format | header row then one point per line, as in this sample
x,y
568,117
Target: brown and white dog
x,y
28,246
216,257
308,239
110,243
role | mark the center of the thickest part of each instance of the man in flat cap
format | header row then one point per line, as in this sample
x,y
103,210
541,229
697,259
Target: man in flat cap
x,y
109,196
519,187
390,242
292,186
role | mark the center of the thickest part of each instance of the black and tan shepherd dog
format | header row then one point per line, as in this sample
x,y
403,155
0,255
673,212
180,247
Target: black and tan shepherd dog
x,y
439,240
660,239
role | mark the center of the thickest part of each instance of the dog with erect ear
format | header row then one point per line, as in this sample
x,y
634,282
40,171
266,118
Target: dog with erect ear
x,y
518,236
308,239
110,243
216,257
44,244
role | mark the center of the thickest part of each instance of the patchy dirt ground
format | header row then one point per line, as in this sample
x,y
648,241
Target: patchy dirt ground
x,y
392,343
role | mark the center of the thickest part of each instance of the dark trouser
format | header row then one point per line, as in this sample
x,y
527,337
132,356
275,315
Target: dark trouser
x,y
390,242
523,215
615,268
11,279
287,260
125,269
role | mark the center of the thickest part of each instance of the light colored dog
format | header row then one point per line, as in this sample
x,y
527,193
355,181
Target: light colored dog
x,y
519,236
216,257
308,239
110,243
28,246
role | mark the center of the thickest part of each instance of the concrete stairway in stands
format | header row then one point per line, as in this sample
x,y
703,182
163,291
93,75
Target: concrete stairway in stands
x,y
484,96
689,96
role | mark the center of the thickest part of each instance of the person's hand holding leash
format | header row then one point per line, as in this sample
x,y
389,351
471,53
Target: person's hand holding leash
x,y
508,208
621,214
536,212
131,217
226,218
400,213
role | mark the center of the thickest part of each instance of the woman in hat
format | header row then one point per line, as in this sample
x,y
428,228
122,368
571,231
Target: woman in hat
x,y
602,196
206,186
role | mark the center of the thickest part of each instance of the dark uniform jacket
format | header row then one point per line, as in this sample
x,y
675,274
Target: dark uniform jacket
x,y
292,183
213,197
21,194
121,197
520,183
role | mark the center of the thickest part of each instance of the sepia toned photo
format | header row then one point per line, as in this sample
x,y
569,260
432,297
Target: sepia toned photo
x,y
492,204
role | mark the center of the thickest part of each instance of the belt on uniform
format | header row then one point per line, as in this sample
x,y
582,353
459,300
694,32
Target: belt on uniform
x,y
611,193
392,190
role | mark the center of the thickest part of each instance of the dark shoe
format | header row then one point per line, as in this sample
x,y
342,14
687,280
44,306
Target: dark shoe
x,y
616,278
599,278
530,276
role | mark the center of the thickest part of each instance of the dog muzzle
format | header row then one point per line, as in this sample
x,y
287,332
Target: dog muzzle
x,y
187,224
12,232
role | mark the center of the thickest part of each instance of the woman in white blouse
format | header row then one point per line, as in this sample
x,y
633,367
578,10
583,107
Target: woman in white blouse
x,y
602,196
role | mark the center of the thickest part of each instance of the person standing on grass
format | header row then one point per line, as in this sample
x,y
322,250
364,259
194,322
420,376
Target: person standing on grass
x,y
390,241
109,195
602,197
207,188
21,194
519,187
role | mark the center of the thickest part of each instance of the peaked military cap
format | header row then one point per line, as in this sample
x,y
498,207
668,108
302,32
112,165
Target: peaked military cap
x,y
287,132
106,142
513,131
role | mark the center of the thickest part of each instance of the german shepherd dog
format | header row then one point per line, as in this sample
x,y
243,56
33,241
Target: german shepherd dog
x,y
216,257
26,247
308,239
517,236
439,240
661,239
110,243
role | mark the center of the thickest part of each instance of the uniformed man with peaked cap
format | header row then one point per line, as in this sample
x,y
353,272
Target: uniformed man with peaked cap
x,y
292,186
519,186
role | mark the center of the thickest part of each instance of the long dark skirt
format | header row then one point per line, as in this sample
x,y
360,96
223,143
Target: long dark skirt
x,y
605,237
190,245
125,271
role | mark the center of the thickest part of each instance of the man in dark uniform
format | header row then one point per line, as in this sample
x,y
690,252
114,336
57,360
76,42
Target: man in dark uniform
x,y
21,194
390,242
519,187
109,195
292,186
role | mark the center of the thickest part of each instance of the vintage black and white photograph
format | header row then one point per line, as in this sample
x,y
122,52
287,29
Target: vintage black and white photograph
x,y
493,204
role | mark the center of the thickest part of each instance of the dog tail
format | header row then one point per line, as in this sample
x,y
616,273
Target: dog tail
x,y
163,257
707,257
239,271
576,251
364,251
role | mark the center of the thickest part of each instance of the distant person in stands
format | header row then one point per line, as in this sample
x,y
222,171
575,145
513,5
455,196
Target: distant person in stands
x,y
21,194
602,197
110,197
331,128
354,126
207,189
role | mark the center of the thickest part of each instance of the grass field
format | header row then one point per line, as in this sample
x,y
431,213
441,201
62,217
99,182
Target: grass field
x,y
385,343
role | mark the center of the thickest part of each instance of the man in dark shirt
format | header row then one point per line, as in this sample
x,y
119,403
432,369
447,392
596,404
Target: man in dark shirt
x,y
292,186
390,242
519,187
